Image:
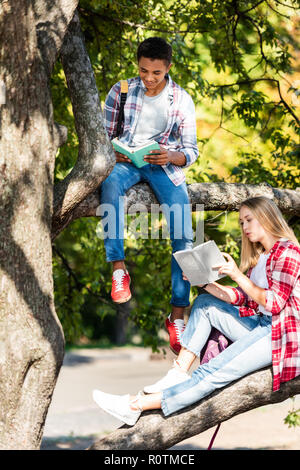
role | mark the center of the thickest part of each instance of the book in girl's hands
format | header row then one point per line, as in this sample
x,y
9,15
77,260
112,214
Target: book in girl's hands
x,y
135,154
199,263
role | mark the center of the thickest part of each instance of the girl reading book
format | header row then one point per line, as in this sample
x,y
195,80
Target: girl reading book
x,y
261,316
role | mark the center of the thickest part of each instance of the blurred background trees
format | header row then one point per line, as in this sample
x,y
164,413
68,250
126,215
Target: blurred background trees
x,y
240,62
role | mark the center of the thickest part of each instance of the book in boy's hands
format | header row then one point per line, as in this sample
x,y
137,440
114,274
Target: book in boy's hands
x,y
135,154
199,263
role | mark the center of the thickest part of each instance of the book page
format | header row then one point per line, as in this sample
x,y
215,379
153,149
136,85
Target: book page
x,y
118,144
209,255
198,263
190,267
145,146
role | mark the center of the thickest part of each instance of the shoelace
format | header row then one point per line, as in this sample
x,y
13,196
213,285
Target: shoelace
x,y
137,401
179,327
118,277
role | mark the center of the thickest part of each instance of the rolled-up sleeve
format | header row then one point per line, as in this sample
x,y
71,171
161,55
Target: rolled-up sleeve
x,y
284,276
240,296
188,132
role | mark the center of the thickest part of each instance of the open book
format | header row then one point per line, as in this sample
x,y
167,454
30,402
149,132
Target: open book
x,y
136,154
198,263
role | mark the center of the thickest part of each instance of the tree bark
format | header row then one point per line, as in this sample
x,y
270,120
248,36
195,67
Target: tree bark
x,y
153,431
96,157
203,196
31,337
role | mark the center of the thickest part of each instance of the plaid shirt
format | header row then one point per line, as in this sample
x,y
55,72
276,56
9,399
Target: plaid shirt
x,y
180,133
283,302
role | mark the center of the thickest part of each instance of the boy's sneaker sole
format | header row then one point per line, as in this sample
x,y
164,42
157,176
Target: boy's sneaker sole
x,y
122,301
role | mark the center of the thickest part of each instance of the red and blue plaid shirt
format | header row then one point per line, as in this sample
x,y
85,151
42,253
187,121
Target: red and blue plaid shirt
x,y
283,302
180,133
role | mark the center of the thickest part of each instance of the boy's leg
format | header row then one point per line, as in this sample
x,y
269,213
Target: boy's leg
x,y
175,204
112,191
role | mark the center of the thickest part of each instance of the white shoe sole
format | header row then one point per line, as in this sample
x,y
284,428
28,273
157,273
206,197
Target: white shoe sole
x,y
99,398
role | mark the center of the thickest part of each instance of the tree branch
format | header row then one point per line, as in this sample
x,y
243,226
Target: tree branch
x,y
153,431
286,5
86,11
211,196
52,19
95,154
254,80
253,6
60,134
79,285
276,11
287,107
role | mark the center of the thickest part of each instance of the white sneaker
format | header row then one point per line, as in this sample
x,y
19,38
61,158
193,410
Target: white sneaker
x,y
173,377
118,406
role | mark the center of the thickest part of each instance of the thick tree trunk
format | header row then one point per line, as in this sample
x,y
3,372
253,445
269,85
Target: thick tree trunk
x,y
31,338
155,432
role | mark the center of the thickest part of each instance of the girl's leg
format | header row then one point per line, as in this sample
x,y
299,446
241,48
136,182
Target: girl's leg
x,y
185,359
209,311
249,353
146,402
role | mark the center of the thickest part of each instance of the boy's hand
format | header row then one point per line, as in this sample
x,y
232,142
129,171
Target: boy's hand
x,y
120,158
158,157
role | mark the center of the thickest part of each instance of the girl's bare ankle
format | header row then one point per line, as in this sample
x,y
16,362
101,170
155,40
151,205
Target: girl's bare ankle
x,y
135,403
179,366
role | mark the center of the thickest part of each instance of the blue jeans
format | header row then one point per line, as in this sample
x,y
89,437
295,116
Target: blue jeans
x,y
251,350
112,190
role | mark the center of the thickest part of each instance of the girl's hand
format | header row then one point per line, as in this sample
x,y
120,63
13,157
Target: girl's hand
x,y
186,279
230,268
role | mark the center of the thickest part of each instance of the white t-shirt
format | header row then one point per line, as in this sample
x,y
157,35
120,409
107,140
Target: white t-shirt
x,y
259,277
153,118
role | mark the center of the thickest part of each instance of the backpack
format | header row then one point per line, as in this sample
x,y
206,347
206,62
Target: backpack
x,y
124,91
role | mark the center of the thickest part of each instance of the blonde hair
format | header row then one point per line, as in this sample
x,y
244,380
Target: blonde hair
x,y
272,221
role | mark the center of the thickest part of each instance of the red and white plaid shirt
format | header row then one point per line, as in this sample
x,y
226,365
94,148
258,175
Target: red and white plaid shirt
x,y
283,302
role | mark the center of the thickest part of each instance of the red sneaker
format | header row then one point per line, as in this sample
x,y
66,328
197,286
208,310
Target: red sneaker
x,y
175,329
120,291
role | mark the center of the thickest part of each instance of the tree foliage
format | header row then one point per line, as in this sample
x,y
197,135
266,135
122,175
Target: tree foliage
x,y
238,60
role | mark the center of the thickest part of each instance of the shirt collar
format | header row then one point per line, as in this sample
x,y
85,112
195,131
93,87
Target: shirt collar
x,y
276,244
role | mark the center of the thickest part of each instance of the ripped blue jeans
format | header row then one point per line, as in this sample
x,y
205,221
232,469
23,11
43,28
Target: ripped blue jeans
x,y
251,350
